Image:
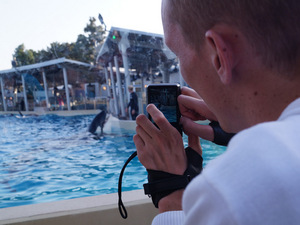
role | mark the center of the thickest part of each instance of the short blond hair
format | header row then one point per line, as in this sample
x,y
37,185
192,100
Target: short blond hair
x,y
271,26
130,87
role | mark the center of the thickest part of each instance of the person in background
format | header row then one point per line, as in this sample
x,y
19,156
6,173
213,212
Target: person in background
x,y
242,57
132,106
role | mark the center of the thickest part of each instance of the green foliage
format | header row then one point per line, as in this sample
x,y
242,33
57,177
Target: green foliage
x,y
24,57
84,49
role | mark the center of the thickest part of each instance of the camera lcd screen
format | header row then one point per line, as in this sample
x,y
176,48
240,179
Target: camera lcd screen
x,y
165,99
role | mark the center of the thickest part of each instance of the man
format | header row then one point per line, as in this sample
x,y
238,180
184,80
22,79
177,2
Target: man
x,y
132,107
242,57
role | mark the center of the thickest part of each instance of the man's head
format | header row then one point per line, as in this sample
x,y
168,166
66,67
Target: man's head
x,y
238,55
130,88
271,26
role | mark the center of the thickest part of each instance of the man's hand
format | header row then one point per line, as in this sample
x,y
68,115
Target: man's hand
x,y
159,148
162,149
193,108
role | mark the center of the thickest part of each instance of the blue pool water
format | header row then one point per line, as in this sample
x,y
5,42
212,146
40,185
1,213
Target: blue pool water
x,y
49,158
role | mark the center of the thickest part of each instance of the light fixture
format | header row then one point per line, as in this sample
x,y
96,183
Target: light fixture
x,y
102,21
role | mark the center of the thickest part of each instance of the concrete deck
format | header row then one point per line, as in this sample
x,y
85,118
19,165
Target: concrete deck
x,y
98,210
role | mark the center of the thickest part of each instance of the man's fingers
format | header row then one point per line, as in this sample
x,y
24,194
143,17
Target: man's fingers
x,y
146,124
188,107
143,134
192,128
159,118
138,141
194,107
190,92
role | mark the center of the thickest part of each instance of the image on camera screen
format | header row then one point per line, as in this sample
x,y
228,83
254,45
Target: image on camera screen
x,y
165,100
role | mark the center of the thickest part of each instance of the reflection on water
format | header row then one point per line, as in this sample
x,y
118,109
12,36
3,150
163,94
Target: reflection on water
x,y
49,158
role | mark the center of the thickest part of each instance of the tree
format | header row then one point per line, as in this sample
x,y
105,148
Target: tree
x,y
89,45
24,57
85,48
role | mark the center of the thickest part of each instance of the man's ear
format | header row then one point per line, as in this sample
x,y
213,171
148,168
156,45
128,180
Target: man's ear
x,y
221,55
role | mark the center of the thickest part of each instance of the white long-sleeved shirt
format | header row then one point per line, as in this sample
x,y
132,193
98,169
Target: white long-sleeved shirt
x,y
256,181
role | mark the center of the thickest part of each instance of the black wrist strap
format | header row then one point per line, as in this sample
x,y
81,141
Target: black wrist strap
x,y
170,182
220,136
161,184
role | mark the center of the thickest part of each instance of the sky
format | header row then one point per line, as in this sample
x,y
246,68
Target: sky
x,y
37,23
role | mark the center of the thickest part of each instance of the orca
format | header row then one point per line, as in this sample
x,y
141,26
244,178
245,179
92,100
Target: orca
x,y
98,121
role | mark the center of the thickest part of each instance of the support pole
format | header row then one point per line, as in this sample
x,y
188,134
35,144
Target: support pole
x,y
67,88
3,95
46,89
108,98
124,44
151,76
24,93
126,68
121,97
114,89
143,84
107,82
165,73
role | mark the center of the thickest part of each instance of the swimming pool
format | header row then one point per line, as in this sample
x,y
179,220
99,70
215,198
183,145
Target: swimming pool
x,y
49,158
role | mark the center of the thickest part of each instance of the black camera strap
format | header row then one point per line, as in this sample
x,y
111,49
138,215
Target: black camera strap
x,y
161,183
121,206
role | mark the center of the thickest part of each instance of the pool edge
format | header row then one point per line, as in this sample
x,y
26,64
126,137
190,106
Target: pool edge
x,y
101,209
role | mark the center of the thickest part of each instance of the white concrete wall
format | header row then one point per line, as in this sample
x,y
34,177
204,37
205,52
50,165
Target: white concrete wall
x,y
96,210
